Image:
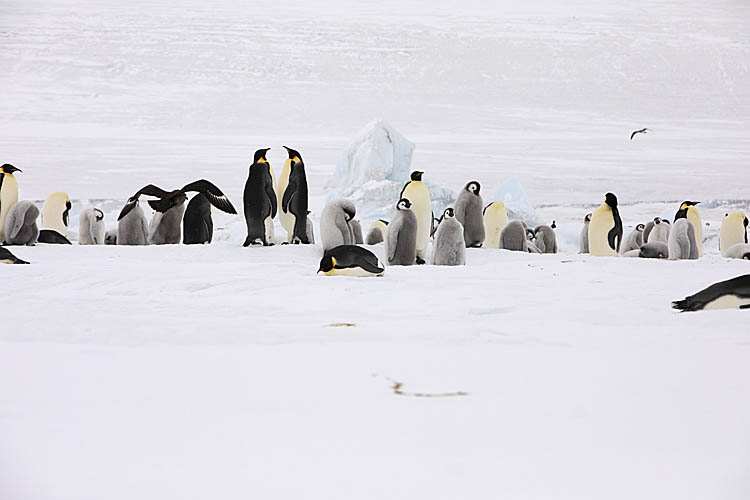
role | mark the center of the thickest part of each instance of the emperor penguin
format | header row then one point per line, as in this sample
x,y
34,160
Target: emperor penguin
x,y
310,230
132,229
738,251
376,234
513,237
8,194
166,227
335,223
495,218
294,198
418,195
197,223
91,228
659,231
733,230
6,257
260,201
357,231
546,238
401,235
55,219
350,260
689,211
468,209
584,239
729,294
449,248
654,250
605,228
682,243
21,227
634,240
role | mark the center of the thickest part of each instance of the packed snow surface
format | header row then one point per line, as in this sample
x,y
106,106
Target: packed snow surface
x,y
227,372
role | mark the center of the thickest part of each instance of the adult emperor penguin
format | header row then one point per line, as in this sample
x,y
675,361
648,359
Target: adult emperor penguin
x,y
376,234
545,239
449,248
682,243
738,251
350,260
495,217
8,194
335,228
91,228
605,228
260,201
132,229
733,230
6,257
55,219
468,209
513,237
584,238
20,225
401,236
197,224
294,200
418,195
689,211
634,239
729,294
166,227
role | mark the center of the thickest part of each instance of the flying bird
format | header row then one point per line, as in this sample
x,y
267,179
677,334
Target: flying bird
x,y
169,199
641,131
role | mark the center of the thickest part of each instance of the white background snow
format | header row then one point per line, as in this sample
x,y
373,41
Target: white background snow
x,y
218,371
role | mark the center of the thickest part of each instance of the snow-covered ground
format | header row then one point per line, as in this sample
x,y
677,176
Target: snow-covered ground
x,y
227,372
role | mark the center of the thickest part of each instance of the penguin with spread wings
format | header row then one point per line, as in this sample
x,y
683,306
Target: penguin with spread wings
x,y
169,199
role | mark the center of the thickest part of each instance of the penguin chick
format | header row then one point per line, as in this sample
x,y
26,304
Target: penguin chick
x,y
659,231
357,231
335,228
91,229
20,225
513,237
689,211
166,227
682,243
654,250
376,234
584,238
547,239
110,237
449,248
634,240
132,229
401,236
468,209
738,251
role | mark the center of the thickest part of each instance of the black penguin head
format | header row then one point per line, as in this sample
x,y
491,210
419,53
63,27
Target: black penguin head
x,y
449,213
473,187
260,156
98,214
554,225
587,218
686,204
403,204
9,169
640,227
326,263
293,154
611,200
416,175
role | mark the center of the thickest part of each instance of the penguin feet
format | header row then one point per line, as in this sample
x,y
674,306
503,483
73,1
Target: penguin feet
x,y
420,261
284,243
256,241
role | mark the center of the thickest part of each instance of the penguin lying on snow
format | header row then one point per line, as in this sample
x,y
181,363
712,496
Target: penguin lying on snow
x,y
729,294
6,257
350,260
738,251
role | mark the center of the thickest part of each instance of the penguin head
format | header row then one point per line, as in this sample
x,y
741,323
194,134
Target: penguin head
x,y
403,204
611,200
293,154
327,264
640,227
473,187
9,169
260,156
416,175
449,213
657,220
98,214
587,218
686,204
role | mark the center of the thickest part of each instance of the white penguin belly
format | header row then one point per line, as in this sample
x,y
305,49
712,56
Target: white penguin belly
x,y
601,224
495,220
269,229
352,271
8,198
419,196
287,222
727,302
693,217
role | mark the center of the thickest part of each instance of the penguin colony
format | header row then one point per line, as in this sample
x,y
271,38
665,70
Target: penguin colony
x,y
469,223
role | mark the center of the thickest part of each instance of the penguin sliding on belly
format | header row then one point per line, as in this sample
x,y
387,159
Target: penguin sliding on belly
x,y
605,228
350,260
294,199
260,201
55,218
197,224
729,294
8,195
6,257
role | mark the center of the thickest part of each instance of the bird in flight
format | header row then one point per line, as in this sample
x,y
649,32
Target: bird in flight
x,y
641,131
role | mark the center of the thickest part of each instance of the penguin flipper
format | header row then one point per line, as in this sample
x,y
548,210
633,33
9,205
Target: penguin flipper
x,y
271,198
291,190
392,244
53,237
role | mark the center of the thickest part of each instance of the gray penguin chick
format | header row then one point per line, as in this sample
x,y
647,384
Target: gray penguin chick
x,y
132,229
659,231
654,250
738,251
682,243
546,238
357,231
449,248
401,236
91,228
335,229
20,224
166,227
468,209
376,234
634,240
110,237
310,230
513,237
584,239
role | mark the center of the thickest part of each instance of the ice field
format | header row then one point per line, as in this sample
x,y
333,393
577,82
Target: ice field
x,y
193,372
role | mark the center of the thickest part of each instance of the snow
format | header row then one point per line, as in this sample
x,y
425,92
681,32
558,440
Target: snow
x,y
227,372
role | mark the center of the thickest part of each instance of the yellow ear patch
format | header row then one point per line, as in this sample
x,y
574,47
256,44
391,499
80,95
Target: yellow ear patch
x,y
262,160
333,261
296,159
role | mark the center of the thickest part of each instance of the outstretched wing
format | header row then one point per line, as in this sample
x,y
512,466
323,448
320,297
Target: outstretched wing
x,y
149,190
213,193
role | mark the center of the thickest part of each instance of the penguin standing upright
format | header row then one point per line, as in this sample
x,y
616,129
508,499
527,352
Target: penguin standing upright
x,y
418,195
8,194
260,201
401,236
733,230
20,225
449,248
197,224
584,238
294,200
376,234
132,228
335,229
682,242
689,211
468,209
91,228
634,240
495,218
513,237
605,228
166,227
545,239
55,219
